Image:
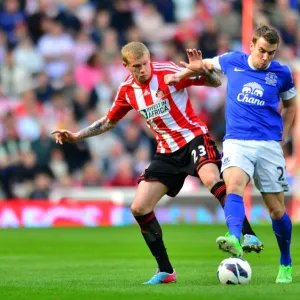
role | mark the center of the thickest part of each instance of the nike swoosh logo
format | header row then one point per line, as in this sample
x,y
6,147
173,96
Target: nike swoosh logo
x,y
238,70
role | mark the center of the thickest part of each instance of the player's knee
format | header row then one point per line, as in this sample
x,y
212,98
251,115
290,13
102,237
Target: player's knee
x,y
139,209
210,181
276,213
235,186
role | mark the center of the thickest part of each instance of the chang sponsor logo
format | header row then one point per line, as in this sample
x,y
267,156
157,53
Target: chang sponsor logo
x,y
160,108
251,93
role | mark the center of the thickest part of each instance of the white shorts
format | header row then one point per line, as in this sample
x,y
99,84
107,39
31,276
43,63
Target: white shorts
x,y
261,160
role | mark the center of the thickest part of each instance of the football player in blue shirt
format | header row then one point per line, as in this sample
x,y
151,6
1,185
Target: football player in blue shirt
x,y
255,132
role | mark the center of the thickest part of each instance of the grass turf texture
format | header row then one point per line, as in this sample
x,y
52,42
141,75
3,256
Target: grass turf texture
x,y
112,263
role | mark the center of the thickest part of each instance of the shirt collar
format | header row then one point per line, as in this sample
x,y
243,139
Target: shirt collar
x,y
252,67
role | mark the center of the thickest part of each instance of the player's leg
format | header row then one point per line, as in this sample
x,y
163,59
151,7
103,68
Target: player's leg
x,y
270,179
208,167
282,227
209,175
236,180
147,196
237,169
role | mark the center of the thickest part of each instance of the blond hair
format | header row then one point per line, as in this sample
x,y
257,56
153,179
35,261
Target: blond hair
x,y
133,49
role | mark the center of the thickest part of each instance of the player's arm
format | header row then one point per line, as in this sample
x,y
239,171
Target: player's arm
x,y
288,114
118,110
98,127
209,64
208,78
211,78
195,68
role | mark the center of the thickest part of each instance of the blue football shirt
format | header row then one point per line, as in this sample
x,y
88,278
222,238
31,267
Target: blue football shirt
x,y
253,96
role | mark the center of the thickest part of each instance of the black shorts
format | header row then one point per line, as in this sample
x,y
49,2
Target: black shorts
x,y
171,169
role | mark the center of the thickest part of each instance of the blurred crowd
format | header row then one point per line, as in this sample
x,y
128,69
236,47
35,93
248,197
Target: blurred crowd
x,y
60,67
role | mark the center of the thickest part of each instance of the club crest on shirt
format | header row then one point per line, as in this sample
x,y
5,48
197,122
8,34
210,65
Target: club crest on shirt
x,y
271,78
158,109
225,161
160,93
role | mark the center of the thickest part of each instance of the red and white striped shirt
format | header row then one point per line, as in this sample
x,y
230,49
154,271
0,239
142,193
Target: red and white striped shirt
x,y
167,109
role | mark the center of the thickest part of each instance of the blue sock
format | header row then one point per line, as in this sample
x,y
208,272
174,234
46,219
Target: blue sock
x,y
283,232
235,214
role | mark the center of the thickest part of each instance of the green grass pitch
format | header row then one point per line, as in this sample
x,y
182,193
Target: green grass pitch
x,y
111,263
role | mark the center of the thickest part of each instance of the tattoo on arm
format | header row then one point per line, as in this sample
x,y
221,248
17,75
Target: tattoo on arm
x,y
212,78
98,127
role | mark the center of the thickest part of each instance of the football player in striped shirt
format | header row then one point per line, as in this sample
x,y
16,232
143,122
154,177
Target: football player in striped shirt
x,y
184,146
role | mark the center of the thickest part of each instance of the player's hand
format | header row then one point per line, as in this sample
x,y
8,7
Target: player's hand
x,y
64,135
195,61
170,79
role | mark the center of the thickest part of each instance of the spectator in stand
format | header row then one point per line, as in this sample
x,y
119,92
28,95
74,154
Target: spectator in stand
x,y
109,46
133,138
67,16
10,16
76,155
110,161
223,44
57,110
167,9
25,172
84,47
42,183
94,143
82,104
102,24
91,175
103,93
141,160
57,48
124,176
152,25
43,89
27,55
208,39
57,163
11,148
288,32
228,21
3,46
29,113
122,17
43,146
14,78
68,86
38,19
89,73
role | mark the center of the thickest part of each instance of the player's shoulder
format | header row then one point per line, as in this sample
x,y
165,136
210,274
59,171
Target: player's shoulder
x,y
234,56
129,80
123,87
165,67
276,66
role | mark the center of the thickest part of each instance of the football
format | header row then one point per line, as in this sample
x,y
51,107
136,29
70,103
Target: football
x,y
234,270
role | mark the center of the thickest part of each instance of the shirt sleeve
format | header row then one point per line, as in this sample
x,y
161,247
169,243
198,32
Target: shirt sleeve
x,y
221,62
120,106
186,82
287,90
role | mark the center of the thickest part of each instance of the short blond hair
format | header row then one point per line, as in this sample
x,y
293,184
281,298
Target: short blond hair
x,y
133,49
